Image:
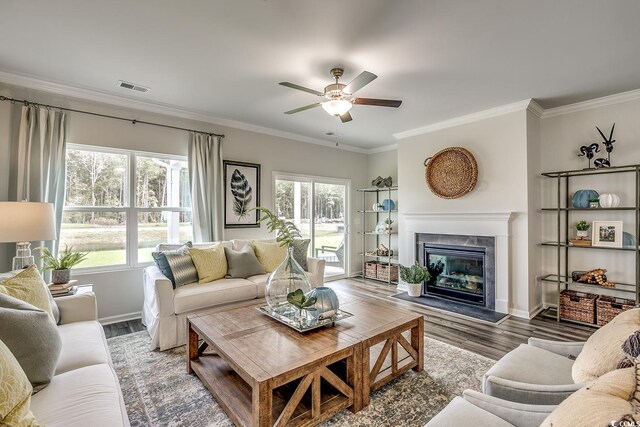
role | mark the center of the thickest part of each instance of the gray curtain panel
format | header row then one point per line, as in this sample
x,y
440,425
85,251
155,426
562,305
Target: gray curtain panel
x,y
206,182
37,172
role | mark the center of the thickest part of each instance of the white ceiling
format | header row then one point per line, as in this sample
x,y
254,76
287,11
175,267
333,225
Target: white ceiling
x,y
224,58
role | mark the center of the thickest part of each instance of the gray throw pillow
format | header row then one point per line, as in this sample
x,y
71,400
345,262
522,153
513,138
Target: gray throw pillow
x,y
243,263
300,251
32,337
177,265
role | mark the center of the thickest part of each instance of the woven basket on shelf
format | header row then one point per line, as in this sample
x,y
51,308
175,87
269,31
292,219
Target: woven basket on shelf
x,y
388,270
578,306
609,307
371,269
451,173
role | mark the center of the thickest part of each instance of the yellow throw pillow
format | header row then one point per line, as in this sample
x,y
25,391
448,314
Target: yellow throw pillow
x,y
29,286
211,263
601,403
269,254
602,351
15,392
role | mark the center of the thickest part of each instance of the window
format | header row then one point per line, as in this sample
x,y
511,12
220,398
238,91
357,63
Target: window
x,y
99,217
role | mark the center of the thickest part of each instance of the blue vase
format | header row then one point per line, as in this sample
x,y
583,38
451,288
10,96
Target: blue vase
x,y
580,198
628,240
388,205
326,301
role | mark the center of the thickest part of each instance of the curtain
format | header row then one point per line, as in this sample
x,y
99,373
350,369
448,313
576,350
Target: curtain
x,y
206,182
38,160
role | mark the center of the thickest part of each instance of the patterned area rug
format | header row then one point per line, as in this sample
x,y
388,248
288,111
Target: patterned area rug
x,y
158,391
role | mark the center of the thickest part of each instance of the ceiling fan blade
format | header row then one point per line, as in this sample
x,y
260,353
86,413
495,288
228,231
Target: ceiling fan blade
x,y
359,82
306,107
377,102
346,117
302,88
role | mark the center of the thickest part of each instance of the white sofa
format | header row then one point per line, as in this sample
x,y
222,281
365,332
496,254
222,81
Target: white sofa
x,y
85,389
165,309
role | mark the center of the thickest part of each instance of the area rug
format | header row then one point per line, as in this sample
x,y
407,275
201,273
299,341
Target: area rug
x,y
158,391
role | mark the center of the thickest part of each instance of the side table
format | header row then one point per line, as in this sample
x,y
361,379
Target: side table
x,y
82,289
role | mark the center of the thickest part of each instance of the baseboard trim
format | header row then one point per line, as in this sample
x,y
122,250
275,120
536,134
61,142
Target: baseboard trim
x,y
120,318
527,314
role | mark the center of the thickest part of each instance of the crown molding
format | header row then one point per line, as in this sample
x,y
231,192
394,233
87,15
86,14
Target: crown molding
x,y
158,108
535,108
382,149
631,95
469,118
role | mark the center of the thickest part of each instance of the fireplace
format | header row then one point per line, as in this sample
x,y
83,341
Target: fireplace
x,y
457,272
462,267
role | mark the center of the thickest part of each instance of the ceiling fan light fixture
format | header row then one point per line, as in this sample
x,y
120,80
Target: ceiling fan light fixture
x,y
337,107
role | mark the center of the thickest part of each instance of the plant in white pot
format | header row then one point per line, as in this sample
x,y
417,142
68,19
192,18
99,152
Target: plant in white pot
x,y
61,266
582,228
414,276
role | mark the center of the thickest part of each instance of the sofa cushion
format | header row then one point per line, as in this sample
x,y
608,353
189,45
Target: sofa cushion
x,y
607,400
177,265
211,262
88,396
243,263
15,392
260,281
239,244
462,413
300,251
195,296
270,254
29,286
83,344
31,337
602,352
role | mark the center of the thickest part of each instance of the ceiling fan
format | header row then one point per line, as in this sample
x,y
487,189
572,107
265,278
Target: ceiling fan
x,y
339,97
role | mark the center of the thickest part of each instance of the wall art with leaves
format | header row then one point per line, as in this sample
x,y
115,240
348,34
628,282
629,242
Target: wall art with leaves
x,y
241,194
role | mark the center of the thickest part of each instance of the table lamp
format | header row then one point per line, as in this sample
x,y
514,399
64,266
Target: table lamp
x,y
25,222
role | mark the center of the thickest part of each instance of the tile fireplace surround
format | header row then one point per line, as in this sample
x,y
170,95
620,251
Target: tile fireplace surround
x,y
472,224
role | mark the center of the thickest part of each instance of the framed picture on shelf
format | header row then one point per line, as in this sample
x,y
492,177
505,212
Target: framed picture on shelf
x,y
241,194
607,234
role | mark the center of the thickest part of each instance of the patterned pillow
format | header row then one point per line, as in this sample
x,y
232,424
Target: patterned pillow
x,y
15,391
300,251
270,255
29,286
211,262
177,265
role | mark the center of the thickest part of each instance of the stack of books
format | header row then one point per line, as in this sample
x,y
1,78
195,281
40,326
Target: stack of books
x,y
63,289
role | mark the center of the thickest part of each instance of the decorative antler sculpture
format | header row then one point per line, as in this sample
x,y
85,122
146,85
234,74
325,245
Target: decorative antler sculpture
x,y
608,144
588,151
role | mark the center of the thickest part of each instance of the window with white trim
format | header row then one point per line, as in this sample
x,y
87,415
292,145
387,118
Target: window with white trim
x,y
120,204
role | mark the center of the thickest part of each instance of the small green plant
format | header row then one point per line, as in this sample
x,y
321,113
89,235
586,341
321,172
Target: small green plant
x,y
67,259
595,200
300,301
388,221
582,225
414,274
286,231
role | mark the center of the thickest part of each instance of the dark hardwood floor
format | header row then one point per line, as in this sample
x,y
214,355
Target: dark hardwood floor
x,y
490,340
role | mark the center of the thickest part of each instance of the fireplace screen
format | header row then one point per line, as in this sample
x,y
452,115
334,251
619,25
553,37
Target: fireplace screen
x,y
457,272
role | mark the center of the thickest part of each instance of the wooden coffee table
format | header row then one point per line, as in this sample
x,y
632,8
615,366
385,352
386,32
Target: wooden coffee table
x,y
264,373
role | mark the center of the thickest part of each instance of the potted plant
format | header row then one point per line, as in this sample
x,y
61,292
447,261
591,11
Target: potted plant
x,y
61,266
582,228
414,276
388,223
594,203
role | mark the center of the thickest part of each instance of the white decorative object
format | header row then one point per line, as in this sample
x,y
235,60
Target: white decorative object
x,y
415,289
609,200
376,207
582,234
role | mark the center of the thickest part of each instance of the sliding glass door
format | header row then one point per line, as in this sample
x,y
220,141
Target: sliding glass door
x,y
318,207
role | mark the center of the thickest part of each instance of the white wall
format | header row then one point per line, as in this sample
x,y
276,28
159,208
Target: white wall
x,y
383,164
120,294
500,147
561,137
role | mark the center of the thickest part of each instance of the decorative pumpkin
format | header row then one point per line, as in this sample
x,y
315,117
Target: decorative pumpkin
x,y
609,200
388,205
581,198
326,302
628,240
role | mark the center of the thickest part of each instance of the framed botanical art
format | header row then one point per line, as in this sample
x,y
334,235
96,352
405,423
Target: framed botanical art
x,y
607,234
241,194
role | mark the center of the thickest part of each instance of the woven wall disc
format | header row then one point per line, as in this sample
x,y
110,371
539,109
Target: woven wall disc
x,y
451,173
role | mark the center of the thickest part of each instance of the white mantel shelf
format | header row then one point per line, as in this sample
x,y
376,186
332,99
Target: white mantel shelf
x,y
458,216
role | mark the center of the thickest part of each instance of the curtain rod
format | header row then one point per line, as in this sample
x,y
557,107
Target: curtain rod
x,y
133,121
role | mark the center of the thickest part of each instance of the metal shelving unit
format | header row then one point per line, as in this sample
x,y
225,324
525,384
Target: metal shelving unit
x,y
377,195
563,246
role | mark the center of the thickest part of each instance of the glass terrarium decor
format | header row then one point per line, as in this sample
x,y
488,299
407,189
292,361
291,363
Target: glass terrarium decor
x,y
286,278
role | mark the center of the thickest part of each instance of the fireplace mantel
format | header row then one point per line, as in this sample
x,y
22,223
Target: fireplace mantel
x,y
496,224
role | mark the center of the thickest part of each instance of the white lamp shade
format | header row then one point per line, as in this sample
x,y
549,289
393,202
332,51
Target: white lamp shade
x,y
337,107
27,222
